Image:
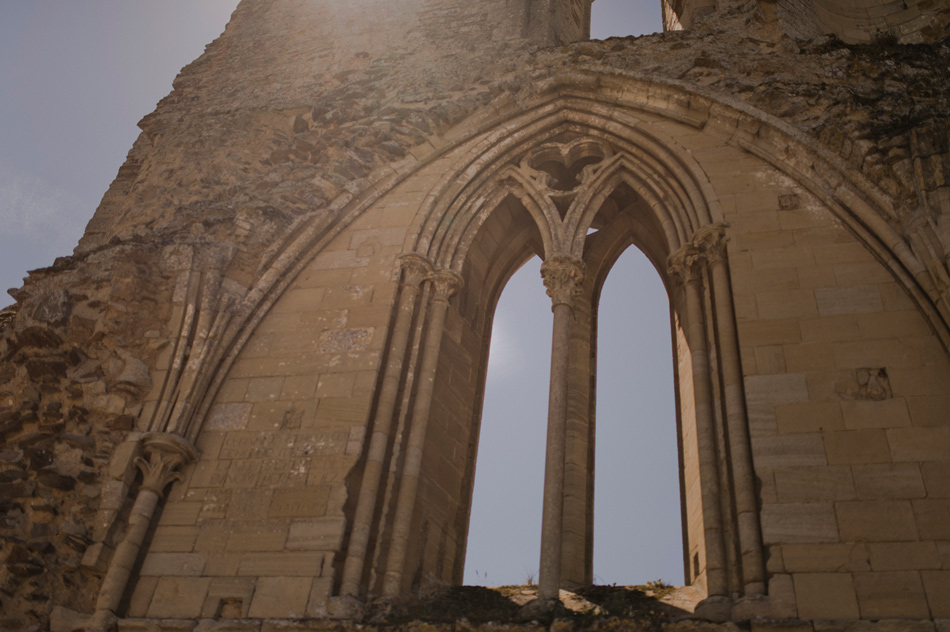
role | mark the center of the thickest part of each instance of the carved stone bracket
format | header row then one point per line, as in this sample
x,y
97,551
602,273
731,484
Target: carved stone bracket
x,y
563,276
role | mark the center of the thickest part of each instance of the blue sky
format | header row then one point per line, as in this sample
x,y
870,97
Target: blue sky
x,y
76,77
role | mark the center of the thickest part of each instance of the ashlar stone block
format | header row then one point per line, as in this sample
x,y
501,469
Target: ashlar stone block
x,y
174,539
173,564
898,594
929,411
296,564
848,300
299,502
795,450
142,596
781,388
876,520
937,587
809,417
319,594
888,480
888,413
836,557
786,304
933,518
936,479
179,597
280,598
814,484
322,534
257,536
904,556
799,522
856,447
826,596
919,444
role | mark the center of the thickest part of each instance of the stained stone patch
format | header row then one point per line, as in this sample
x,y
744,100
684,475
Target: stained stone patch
x,y
344,340
232,416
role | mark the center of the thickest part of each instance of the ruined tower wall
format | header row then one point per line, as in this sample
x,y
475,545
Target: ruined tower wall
x,y
287,52
861,21
909,22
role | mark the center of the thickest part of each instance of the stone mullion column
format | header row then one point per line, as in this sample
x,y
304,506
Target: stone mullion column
x,y
445,283
577,530
740,447
415,269
165,454
562,277
683,267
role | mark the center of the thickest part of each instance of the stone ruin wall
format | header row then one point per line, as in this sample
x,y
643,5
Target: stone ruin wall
x,y
853,21
224,171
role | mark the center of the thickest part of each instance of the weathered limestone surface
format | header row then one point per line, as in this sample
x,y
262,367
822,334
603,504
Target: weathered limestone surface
x,y
244,288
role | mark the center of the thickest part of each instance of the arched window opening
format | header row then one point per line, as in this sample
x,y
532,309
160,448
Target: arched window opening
x,y
505,528
637,511
620,18
637,523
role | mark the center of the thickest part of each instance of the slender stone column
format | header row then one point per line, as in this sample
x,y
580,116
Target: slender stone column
x,y
740,447
415,269
683,267
444,283
562,277
578,527
164,453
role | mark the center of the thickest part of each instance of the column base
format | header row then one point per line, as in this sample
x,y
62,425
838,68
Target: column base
x,y
717,608
543,609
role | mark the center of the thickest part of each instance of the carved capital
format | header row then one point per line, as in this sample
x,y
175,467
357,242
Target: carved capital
x,y
683,264
563,276
711,241
415,269
164,455
445,283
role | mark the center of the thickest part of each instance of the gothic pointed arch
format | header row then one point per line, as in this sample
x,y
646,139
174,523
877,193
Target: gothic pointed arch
x,y
525,178
627,105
